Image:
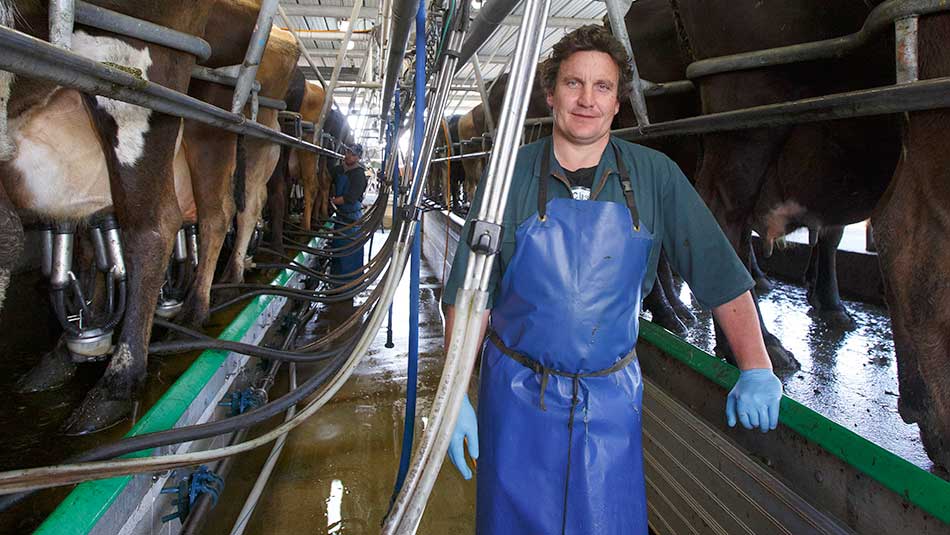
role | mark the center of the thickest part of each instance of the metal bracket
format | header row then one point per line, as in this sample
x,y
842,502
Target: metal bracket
x,y
485,237
411,212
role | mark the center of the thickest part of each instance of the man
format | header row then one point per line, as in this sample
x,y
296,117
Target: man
x,y
558,424
349,185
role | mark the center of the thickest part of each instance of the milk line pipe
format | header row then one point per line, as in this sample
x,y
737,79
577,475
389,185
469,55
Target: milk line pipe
x,y
31,57
912,96
112,21
411,503
880,17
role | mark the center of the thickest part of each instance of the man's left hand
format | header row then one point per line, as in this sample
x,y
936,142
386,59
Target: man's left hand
x,y
754,400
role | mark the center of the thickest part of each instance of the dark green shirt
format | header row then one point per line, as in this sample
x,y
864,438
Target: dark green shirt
x,y
669,208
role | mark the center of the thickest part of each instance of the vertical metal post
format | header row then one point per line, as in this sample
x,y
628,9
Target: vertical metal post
x,y
486,106
391,165
252,58
615,12
906,48
354,14
62,15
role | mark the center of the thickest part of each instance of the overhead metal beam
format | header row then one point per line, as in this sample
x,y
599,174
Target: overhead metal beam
x,y
372,13
331,35
360,53
336,12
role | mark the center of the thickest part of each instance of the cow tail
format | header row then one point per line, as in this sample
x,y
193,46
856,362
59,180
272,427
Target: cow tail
x,y
240,174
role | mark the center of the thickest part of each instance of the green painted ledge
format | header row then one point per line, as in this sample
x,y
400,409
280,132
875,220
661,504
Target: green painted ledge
x,y
921,488
84,506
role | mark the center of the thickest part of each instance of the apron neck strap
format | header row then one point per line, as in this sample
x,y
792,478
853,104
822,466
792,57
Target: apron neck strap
x,y
625,185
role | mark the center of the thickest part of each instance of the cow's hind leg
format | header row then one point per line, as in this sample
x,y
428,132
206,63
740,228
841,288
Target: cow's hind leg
x,y
822,280
143,190
214,164
244,228
663,314
277,201
664,277
729,180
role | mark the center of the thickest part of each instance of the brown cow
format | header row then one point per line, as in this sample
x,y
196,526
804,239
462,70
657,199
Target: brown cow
x,y
836,172
139,147
304,165
211,151
911,224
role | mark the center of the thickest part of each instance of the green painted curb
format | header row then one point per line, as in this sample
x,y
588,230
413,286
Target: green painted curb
x,y
84,506
923,489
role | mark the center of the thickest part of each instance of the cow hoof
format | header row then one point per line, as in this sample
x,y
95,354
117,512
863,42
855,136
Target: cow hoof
x,y
934,444
838,319
53,371
670,322
685,315
763,285
909,409
783,361
97,412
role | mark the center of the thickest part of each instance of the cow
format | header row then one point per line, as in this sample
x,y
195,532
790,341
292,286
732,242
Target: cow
x,y
890,168
212,153
303,167
277,186
132,146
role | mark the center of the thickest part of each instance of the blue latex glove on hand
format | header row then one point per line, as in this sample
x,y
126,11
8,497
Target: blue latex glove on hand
x,y
466,427
754,400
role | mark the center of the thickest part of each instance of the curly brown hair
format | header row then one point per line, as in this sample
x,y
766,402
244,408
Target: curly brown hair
x,y
590,37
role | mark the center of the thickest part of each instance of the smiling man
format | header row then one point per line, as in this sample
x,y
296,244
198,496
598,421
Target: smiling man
x,y
558,425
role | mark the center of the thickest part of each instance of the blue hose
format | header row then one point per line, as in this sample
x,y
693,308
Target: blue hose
x,y
418,128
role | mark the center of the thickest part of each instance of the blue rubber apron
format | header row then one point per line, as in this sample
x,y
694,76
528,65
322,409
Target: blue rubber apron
x,y
345,214
560,398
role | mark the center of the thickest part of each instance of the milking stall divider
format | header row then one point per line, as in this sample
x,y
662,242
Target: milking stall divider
x,y
694,471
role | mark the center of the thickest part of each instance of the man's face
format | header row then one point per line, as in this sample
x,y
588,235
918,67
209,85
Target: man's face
x,y
584,100
350,159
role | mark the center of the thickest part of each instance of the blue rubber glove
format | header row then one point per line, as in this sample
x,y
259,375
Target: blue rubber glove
x,y
754,400
466,430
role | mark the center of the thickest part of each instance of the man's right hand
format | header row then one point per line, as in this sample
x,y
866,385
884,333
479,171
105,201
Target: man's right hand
x,y
466,430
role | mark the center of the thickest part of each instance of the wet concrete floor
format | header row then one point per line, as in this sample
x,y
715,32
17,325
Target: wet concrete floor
x,y
337,470
849,377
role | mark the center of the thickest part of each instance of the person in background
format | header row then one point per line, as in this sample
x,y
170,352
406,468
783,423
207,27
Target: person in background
x,y
349,186
560,396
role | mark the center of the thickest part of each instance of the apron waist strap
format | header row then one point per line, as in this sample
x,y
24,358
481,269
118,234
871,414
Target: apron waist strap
x,y
545,372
